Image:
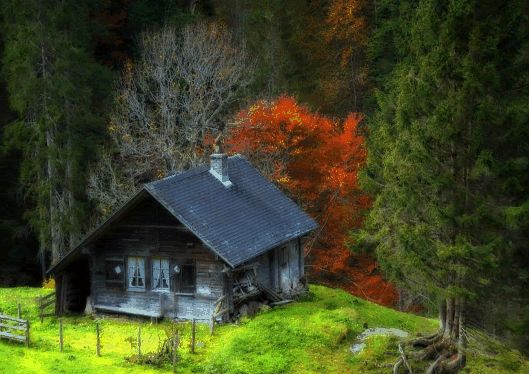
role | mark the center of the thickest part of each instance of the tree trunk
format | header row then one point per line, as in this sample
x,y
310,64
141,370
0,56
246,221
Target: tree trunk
x,y
53,216
69,195
42,242
400,291
50,138
463,341
442,315
455,328
354,77
462,344
449,316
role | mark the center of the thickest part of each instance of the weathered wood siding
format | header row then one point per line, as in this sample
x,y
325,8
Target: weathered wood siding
x,y
301,258
263,271
294,264
149,231
274,270
285,266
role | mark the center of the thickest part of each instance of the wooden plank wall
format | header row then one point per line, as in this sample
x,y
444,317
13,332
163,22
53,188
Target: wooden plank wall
x,y
294,264
263,271
284,278
301,258
274,269
149,231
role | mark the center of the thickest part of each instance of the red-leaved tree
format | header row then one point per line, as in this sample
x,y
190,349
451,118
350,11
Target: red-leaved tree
x,y
314,160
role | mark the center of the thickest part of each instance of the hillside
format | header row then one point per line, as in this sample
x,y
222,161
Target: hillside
x,y
311,336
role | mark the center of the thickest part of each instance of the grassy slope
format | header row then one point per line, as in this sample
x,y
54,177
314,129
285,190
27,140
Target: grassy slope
x,y
308,337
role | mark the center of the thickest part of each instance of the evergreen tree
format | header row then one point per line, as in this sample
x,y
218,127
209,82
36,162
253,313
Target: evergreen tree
x,y
447,157
58,92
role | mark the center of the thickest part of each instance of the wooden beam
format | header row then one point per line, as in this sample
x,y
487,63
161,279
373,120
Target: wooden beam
x,y
126,310
21,328
12,319
282,302
205,297
12,336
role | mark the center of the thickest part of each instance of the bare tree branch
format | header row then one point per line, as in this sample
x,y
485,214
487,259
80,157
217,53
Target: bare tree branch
x,y
180,90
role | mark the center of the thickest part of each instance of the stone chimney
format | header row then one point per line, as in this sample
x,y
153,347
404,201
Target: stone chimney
x,y
219,164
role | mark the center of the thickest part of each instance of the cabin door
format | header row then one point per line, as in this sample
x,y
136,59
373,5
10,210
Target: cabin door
x,y
284,268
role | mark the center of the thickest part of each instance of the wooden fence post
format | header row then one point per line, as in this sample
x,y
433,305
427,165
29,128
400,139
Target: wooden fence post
x,y
27,333
193,339
40,301
139,341
175,347
97,331
19,311
212,324
60,333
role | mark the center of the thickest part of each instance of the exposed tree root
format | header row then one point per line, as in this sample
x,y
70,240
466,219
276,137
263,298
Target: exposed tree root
x,y
397,364
404,359
435,365
426,341
457,364
439,350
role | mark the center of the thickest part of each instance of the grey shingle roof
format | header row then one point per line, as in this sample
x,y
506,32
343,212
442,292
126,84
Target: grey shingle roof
x,y
238,222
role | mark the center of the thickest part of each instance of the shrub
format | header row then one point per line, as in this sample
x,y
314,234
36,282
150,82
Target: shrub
x,y
48,284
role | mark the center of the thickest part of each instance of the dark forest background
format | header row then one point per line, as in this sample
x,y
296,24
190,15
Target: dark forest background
x,y
413,69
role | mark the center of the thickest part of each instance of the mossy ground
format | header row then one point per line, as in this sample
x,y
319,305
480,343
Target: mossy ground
x,y
311,336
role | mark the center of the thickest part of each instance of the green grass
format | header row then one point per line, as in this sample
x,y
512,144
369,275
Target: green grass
x,y
311,336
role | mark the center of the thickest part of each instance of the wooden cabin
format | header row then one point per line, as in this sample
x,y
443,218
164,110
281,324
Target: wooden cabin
x,y
184,242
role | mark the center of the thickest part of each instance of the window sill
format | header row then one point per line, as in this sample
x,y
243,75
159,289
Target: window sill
x,y
137,289
184,294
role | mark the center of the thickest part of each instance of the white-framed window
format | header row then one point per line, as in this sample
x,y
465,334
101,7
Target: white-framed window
x,y
136,274
160,273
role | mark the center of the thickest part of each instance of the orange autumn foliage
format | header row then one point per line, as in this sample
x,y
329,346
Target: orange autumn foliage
x,y
334,35
315,160
346,27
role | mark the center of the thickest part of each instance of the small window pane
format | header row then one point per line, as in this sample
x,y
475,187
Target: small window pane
x,y
136,267
141,272
131,276
160,273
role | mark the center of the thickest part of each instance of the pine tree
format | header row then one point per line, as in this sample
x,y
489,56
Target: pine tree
x,y
443,161
58,92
